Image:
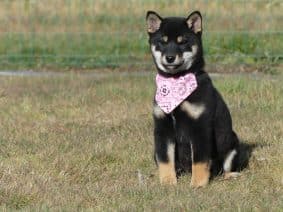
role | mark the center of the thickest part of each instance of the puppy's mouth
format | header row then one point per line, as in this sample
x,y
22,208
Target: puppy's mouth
x,y
173,66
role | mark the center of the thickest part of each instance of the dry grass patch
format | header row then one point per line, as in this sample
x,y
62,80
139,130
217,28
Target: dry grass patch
x,y
75,142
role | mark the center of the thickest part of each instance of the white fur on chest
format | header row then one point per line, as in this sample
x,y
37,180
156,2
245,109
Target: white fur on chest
x,y
193,110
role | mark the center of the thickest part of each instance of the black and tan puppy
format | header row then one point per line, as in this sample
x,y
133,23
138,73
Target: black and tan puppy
x,y
192,124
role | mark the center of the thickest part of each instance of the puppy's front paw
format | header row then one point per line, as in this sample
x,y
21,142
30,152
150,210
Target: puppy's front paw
x,y
200,175
168,180
199,182
167,174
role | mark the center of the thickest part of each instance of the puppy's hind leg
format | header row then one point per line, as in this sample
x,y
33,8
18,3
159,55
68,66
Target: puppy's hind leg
x,y
231,160
228,165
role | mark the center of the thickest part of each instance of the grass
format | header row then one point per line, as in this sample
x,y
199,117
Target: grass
x,y
77,143
92,34
92,51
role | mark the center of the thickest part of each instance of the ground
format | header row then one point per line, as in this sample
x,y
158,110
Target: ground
x,y
78,141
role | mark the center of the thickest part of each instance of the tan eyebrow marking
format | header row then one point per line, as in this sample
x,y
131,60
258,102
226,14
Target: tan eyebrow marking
x,y
179,39
165,38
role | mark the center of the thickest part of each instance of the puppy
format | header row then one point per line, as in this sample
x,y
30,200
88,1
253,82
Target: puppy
x,y
192,124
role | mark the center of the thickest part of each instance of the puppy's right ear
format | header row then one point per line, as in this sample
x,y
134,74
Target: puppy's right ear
x,y
153,21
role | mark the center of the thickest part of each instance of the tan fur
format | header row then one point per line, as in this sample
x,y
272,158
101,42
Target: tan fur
x,y
167,174
165,38
158,113
200,174
179,39
192,110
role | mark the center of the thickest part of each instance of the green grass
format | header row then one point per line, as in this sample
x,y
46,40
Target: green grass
x,y
90,34
98,50
77,142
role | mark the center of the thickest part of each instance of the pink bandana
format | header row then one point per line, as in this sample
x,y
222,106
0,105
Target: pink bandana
x,y
172,91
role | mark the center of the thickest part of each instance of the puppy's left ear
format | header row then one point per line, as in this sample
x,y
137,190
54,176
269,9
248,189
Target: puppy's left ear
x,y
194,22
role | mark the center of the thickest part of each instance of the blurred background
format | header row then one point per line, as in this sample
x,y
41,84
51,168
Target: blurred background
x,y
88,34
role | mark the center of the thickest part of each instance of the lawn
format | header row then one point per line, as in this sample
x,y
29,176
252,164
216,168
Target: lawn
x,y
78,142
65,34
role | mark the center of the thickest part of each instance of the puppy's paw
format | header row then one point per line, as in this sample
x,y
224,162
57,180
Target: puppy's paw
x,y
199,182
231,175
168,180
200,175
167,174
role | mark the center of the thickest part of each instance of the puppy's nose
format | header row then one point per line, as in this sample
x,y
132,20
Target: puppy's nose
x,y
170,59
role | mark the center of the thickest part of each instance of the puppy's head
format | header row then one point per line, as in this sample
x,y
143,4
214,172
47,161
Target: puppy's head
x,y
175,41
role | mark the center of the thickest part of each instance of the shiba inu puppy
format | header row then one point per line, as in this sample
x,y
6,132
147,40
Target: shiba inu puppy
x,y
192,124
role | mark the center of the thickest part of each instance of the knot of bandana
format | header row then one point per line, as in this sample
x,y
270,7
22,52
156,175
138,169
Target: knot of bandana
x,y
172,91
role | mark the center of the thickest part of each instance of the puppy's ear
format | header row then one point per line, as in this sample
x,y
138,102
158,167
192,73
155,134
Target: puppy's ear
x,y
194,22
153,21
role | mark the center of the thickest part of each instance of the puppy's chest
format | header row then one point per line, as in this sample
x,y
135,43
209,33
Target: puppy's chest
x,y
186,113
189,110
185,117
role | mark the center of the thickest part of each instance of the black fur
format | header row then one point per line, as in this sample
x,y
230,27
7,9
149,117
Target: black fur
x,y
211,135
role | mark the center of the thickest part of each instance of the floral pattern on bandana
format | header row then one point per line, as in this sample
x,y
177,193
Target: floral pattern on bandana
x,y
172,91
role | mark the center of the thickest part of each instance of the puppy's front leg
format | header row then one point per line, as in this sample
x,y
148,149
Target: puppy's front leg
x,y
201,158
200,174
164,138
167,173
